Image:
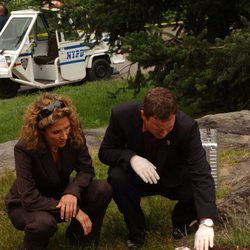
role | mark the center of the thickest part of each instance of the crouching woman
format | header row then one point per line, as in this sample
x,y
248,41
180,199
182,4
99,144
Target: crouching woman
x,y
51,147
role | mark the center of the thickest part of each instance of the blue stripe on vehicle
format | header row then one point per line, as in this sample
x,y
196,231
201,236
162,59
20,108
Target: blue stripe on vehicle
x,y
25,54
76,61
73,47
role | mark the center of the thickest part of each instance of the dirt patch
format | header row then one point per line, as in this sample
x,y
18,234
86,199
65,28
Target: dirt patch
x,y
230,248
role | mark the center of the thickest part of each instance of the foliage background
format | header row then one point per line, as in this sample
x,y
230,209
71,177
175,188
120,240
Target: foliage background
x,y
206,63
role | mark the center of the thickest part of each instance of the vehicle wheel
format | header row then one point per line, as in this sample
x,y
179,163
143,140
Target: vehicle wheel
x,y
100,70
8,88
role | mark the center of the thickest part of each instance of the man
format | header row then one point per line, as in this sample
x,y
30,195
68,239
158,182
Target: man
x,y
3,15
153,149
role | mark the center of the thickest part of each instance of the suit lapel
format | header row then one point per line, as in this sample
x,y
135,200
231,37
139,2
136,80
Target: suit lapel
x,y
165,150
66,160
137,139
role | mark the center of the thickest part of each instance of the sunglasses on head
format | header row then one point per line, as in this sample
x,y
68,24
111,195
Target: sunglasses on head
x,y
48,110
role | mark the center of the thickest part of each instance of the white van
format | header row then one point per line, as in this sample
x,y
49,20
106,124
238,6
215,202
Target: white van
x,y
32,55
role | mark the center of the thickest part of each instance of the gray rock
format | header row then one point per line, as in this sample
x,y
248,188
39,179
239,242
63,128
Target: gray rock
x,y
93,138
236,205
7,156
233,131
233,128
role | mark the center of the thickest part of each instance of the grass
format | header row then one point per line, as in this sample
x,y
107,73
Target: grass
x,y
158,217
91,99
233,155
228,161
94,107
236,233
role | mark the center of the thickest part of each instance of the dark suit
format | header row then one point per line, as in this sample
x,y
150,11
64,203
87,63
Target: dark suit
x,y
39,185
181,164
3,20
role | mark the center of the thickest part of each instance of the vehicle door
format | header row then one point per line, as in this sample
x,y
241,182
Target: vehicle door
x,y
71,52
41,37
15,49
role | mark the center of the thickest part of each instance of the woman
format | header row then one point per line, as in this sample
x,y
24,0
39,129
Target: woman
x,y
51,146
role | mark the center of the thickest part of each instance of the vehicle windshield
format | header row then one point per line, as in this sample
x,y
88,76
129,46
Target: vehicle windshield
x,y
14,33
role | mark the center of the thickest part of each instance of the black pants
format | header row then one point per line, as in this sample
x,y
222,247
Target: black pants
x,y
39,226
128,188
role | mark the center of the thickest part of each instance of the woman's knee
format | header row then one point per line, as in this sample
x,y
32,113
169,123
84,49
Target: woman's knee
x,y
100,191
41,222
17,217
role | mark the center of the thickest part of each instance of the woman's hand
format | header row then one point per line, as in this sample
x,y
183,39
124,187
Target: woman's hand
x,y
85,221
68,206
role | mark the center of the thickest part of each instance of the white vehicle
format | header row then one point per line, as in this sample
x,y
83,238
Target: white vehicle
x,y
32,55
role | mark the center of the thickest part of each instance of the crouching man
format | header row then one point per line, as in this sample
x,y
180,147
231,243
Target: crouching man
x,y
154,149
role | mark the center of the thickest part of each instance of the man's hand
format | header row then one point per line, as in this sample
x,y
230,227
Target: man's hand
x,y
204,238
145,169
85,221
68,206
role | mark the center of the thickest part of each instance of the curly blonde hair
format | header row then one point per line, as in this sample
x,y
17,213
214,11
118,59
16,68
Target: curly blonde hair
x,y
32,128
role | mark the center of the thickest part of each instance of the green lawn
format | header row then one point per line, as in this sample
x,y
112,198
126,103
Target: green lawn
x,y
92,101
158,217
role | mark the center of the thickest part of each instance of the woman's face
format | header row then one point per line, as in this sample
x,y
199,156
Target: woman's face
x,y
57,134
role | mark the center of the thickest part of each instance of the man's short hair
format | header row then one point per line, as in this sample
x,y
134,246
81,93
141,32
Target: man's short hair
x,y
160,103
6,12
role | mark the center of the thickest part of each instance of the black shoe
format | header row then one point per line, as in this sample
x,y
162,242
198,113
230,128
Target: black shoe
x,y
73,238
76,239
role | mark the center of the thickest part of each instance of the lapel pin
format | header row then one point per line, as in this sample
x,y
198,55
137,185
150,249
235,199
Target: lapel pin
x,y
168,142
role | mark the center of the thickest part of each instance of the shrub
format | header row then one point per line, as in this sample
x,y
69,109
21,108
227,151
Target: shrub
x,y
204,76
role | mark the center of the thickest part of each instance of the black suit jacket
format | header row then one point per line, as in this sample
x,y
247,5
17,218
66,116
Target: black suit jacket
x,y
38,185
180,156
3,20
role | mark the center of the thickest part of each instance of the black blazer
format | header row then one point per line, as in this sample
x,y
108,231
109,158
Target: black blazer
x,y
38,185
180,155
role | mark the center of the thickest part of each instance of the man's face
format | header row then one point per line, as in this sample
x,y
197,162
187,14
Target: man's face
x,y
2,12
158,128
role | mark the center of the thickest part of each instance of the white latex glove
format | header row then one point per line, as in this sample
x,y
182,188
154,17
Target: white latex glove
x,y
204,237
145,169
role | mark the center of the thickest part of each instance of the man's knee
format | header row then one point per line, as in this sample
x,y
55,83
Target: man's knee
x,y
118,177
